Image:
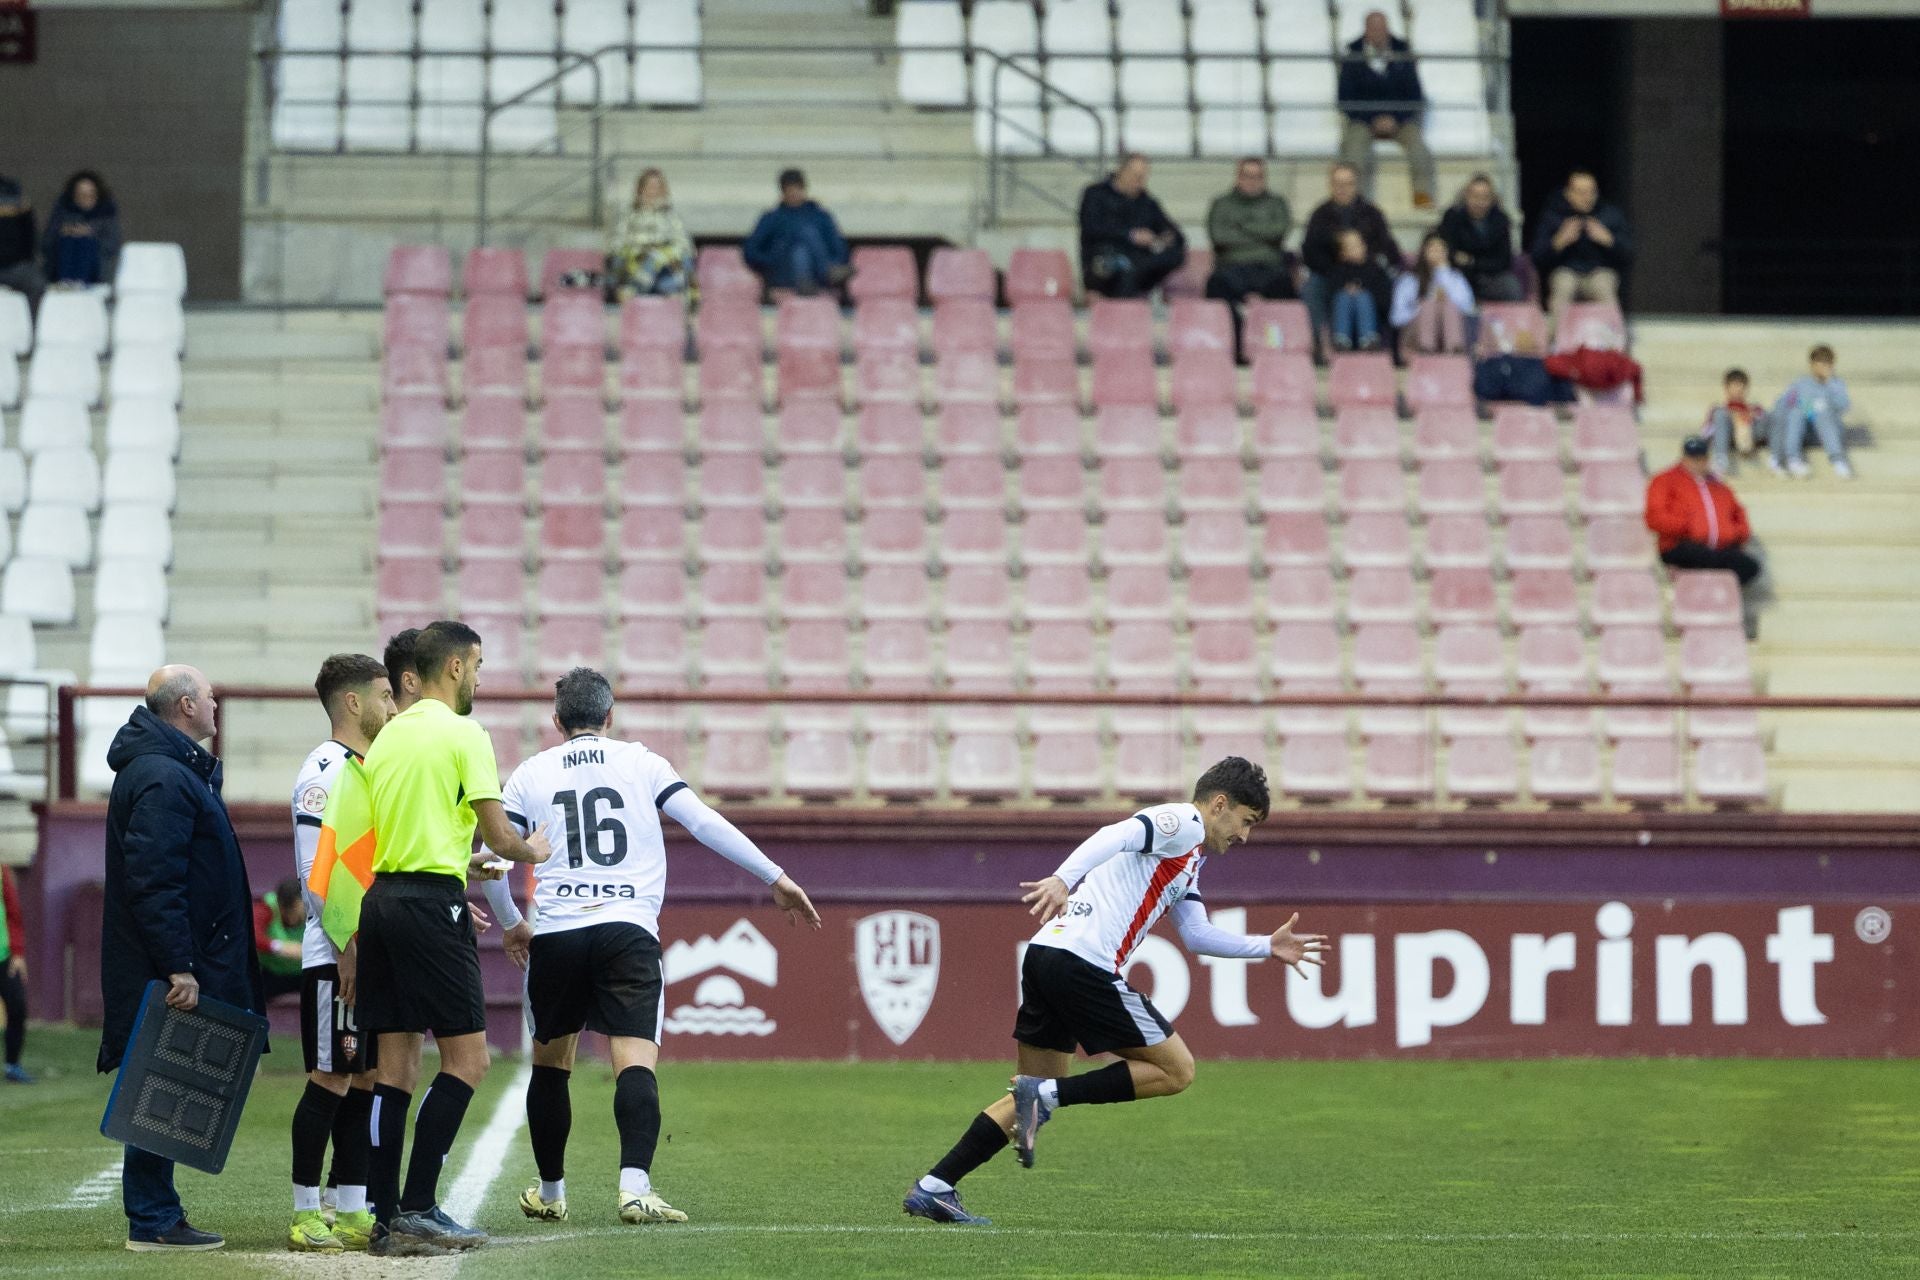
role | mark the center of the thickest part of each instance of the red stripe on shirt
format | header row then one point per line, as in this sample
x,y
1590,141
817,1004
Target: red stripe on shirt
x,y
1162,877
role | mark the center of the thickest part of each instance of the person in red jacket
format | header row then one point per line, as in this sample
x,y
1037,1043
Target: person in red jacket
x,y
1699,522
13,976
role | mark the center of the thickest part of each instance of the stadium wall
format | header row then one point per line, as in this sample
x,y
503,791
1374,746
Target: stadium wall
x,y
1471,937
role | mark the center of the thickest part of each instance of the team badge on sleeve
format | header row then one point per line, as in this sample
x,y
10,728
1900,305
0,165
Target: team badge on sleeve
x,y
1168,821
313,800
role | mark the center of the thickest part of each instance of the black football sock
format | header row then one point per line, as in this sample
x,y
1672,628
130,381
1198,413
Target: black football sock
x,y
387,1133
1112,1083
636,1111
352,1144
979,1144
434,1129
313,1121
550,1120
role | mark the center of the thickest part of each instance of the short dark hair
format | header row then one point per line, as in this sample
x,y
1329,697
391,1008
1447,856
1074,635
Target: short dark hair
x,y
1239,780
439,643
344,671
1823,352
1735,375
398,655
286,891
792,178
582,699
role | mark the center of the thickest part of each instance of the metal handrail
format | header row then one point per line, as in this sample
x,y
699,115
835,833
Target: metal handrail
x,y
486,136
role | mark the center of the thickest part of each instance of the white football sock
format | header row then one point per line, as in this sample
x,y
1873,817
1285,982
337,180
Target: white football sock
x,y
551,1191
352,1200
933,1184
305,1198
634,1182
1050,1092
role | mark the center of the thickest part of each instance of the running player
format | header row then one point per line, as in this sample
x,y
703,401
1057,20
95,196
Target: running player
x,y
1094,911
339,1096
595,959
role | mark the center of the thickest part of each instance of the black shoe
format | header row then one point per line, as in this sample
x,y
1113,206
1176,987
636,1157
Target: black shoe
x,y
183,1237
434,1227
384,1244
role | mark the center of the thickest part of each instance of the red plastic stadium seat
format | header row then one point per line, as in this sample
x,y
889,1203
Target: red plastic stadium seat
x,y
896,535
736,533
1631,721
979,657
1211,484
1455,488
1051,591
1294,537
416,320
413,420
652,532
1366,431
1277,326
652,373
816,655
1446,435
1730,771
1140,657
972,483
573,421
410,582
1045,380
731,479
1557,722
1052,482
1627,597
1591,324
1203,379
1286,431
1316,767
813,373
1043,329
1372,486
1539,542
1305,651
651,321
1386,651
1126,538
731,373
1121,378
884,271
568,641
1532,489
572,587
1435,382
1137,593
1501,323
1705,598
1215,538
1060,657
896,430
1121,326
654,478
1231,734
1618,542
1073,764
1189,280
891,480
572,533
492,586
813,536
977,589
573,477
573,318
733,656
1397,768
959,273
733,589
819,752
1146,752
965,324
1551,655
1299,593
1467,652
983,764
1522,433
1038,273
812,480
899,656
412,475
1377,541
1226,657
1220,592
1474,721
1199,324
1046,429
1127,429
1633,655
1564,770
492,531
1646,771
652,424
1361,378
737,759
1715,657
727,325
411,528
887,324
1605,433
1542,597
1482,770
1612,489
1284,378
415,370
653,589
574,369
971,376
969,537
820,591
722,273
417,268
900,761
1458,542
495,271
558,263
653,654
810,323
810,426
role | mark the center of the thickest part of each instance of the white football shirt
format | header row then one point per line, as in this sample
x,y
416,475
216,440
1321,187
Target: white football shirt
x,y
1113,907
310,790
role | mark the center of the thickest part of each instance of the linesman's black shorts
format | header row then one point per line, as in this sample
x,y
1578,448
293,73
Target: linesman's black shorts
x,y
330,1036
605,978
1066,1001
418,967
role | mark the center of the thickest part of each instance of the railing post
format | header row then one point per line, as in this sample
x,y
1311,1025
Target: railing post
x,y
66,750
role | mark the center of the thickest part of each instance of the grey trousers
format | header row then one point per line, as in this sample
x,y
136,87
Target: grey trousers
x,y
1356,148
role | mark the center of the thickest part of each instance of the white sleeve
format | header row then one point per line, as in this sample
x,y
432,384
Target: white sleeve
x,y
500,898
710,829
1105,845
1205,939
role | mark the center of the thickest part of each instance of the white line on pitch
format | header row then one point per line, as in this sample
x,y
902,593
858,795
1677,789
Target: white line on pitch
x,y
489,1153
96,1190
1362,1237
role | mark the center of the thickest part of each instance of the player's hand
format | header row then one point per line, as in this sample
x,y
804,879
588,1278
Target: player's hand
x,y
1046,898
537,848
485,866
349,966
518,942
1598,233
481,920
793,900
1295,949
17,967
185,992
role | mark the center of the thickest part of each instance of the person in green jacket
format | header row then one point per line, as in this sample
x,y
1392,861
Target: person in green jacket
x,y
1248,227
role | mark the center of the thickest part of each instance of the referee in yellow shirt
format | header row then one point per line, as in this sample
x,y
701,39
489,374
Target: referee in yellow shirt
x,y
433,780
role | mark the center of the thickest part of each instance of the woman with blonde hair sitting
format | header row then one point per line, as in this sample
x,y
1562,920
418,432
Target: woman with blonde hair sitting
x,y
652,252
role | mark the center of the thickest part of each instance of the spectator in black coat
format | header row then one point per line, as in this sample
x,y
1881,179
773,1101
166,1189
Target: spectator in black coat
x,y
1380,95
1128,245
1582,247
178,908
1344,209
81,244
1479,237
19,255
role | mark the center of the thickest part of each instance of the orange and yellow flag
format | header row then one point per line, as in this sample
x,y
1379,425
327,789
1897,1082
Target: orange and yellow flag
x,y
343,864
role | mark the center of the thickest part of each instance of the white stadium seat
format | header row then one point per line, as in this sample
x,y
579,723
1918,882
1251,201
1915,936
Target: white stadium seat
x,y
136,422
306,106
139,476
453,86
1444,26
73,318
136,532
29,707
64,372
13,481
379,78
50,422
1455,122
6,541
1150,26
150,319
1305,121
16,324
130,586
125,643
1297,26
667,76
40,591
1228,85
146,372
1088,79
66,477
588,25
510,72
12,781
1157,120
18,652
1077,26
150,267
9,383
55,531
1005,27
937,75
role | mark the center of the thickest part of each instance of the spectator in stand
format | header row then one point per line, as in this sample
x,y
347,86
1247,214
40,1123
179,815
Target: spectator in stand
x,y
796,244
13,976
1519,376
1433,307
1248,227
1480,236
1699,522
1344,209
19,251
1361,286
1128,244
1737,425
81,244
1813,402
1381,96
279,925
652,252
1582,246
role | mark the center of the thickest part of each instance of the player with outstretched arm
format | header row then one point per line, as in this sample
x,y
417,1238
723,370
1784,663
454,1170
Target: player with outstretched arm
x,y
1094,912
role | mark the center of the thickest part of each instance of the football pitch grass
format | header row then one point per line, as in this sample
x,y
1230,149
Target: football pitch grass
x,y
1562,1168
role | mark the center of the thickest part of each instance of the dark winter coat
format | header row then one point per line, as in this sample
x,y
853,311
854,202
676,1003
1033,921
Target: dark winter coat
x,y
1320,244
1488,242
177,896
103,220
1583,255
783,229
1365,92
1108,220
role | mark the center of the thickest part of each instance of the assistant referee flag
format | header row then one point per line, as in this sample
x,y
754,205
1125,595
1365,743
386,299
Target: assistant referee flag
x,y
343,863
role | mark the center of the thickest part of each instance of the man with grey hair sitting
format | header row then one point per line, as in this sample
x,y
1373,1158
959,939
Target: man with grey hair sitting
x,y
177,909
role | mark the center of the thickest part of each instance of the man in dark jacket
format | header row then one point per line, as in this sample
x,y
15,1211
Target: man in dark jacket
x,y
1581,246
1381,97
1344,209
19,247
1248,227
796,244
178,909
1479,237
1128,244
